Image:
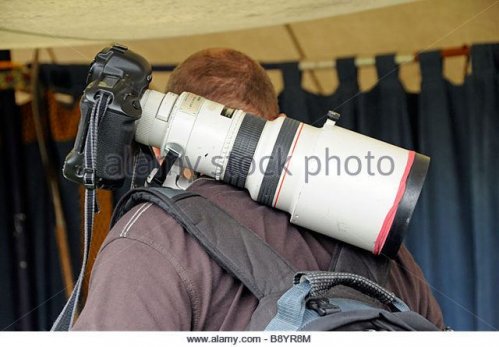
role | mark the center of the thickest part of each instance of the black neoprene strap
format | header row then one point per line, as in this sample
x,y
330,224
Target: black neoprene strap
x,y
65,319
241,155
351,259
235,248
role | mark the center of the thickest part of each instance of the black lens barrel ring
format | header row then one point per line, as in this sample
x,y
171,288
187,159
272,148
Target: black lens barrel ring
x,y
243,149
277,161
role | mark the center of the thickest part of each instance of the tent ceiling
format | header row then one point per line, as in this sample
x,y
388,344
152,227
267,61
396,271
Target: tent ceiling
x,y
39,23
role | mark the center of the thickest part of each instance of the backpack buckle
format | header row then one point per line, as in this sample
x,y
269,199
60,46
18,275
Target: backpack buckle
x,y
322,306
89,178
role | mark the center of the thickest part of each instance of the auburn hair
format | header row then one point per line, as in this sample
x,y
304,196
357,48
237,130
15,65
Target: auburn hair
x,y
228,77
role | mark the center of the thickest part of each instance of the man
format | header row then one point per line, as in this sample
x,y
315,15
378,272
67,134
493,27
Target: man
x,y
151,275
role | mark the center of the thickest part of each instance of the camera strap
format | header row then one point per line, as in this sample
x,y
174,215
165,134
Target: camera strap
x,y
65,319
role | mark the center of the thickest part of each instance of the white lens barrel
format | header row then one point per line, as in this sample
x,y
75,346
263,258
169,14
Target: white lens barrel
x,y
343,184
331,180
156,108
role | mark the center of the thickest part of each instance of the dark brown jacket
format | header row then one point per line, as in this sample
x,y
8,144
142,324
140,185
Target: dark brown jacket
x,y
151,275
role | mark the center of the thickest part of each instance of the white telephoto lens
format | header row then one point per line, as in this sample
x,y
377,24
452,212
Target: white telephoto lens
x,y
330,180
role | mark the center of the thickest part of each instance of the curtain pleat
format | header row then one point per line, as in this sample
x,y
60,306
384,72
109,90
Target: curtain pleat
x,y
445,215
482,91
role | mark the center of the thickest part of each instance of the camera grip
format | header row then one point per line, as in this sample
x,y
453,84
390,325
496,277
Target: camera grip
x,y
114,149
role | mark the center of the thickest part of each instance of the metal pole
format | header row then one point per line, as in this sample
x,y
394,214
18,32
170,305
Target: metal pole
x,y
52,181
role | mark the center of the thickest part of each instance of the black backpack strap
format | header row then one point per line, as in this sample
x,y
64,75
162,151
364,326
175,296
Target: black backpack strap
x,y
361,262
235,248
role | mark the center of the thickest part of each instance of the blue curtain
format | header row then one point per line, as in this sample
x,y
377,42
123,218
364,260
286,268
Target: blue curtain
x,y
44,286
453,234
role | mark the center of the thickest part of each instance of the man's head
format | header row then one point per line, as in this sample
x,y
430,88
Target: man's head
x,y
228,77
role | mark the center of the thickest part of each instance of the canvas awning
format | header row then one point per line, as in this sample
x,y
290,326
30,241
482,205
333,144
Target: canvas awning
x,y
41,23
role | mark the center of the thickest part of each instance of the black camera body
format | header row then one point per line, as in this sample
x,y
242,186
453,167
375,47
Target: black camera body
x,y
124,76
